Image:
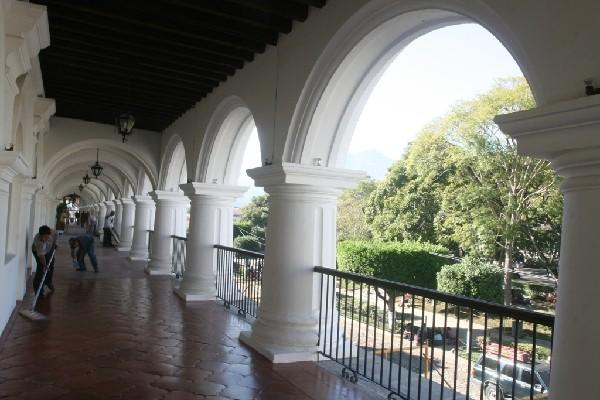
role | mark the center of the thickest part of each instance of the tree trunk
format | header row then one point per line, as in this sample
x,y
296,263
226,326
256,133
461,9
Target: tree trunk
x,y
508,255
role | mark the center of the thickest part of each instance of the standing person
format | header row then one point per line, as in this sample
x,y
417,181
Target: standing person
x,y
108,225
80,246
43,245
91,226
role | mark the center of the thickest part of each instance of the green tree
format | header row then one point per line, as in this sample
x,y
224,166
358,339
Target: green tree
x,y
472,278
494,194
462,184
351,219
404,205
256,212
249,231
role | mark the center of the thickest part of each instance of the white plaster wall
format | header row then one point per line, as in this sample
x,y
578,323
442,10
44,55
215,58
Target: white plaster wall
x,y
551,40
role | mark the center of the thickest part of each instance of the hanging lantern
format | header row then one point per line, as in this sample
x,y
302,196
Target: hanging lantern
x,y
86,179
125,123
97,168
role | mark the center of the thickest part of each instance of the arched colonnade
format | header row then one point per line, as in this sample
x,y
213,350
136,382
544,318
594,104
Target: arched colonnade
x,y
304,96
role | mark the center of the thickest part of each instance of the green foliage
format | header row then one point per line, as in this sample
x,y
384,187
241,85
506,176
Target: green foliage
x,y
247,243
408,262
240,227
256,212
538,292
405,203
351,219
472,278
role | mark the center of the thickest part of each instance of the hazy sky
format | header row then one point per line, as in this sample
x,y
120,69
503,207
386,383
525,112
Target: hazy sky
x,y
422,83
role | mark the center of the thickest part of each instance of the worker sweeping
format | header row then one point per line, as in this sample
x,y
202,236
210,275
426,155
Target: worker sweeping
x,y
43,247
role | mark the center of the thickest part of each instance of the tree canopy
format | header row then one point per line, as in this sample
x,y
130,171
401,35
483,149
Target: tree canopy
x,y
462,184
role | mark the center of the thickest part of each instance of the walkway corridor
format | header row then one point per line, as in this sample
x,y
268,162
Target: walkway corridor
x,y
119,334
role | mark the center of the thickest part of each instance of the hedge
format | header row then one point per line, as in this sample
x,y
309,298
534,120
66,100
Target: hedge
x,y
408,262
472,278
247,243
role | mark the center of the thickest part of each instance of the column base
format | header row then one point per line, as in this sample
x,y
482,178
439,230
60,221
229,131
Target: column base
x,y
188,297
124,248
278,354
155,272
138,258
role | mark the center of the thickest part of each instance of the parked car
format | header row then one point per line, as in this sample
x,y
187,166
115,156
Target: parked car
x,y
504,380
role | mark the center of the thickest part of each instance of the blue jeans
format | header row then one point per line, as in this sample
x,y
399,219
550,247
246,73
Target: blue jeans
x,y
91,252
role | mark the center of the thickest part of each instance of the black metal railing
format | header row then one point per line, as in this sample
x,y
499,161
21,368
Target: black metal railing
x,y
178,256
419,343
239,278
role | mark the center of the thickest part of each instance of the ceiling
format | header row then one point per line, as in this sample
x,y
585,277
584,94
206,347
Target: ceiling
x,y
157,58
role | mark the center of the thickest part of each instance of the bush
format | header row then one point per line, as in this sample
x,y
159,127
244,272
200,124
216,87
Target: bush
x,y
538,292
472,278
407,262
247,243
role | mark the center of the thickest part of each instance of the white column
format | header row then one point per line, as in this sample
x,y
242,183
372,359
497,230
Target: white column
x,y
25,235
127,220
144,207
568,134
101,215
211,222
300,235
170,209
118,214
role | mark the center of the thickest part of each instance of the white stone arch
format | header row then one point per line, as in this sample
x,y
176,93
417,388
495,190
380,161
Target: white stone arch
x,y
225,141
116,171
123,155
173,170
351,64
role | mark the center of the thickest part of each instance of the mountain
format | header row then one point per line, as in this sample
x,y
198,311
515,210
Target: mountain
x,y
371,161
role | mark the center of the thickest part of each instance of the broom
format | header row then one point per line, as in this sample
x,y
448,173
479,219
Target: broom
x,y
32,314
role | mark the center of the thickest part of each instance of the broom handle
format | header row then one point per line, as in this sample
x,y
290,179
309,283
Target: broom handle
x,y
37,294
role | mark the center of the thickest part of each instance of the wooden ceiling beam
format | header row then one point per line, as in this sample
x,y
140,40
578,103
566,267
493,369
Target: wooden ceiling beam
x,y
83,82
247,15
157,104
205,62
126,73
281,8
92,9
144,36
133,63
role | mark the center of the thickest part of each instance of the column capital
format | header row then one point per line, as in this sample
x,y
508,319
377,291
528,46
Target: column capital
x,y
212,190
108,203
12,164
126,200
142,200
116,202
565,133
286,176
101,205
169,198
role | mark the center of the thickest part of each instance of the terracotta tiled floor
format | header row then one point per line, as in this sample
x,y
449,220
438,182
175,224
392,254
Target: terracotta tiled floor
x,y
122,335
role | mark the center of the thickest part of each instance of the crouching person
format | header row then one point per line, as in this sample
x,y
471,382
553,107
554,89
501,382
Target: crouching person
x,y
43,246
80,246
